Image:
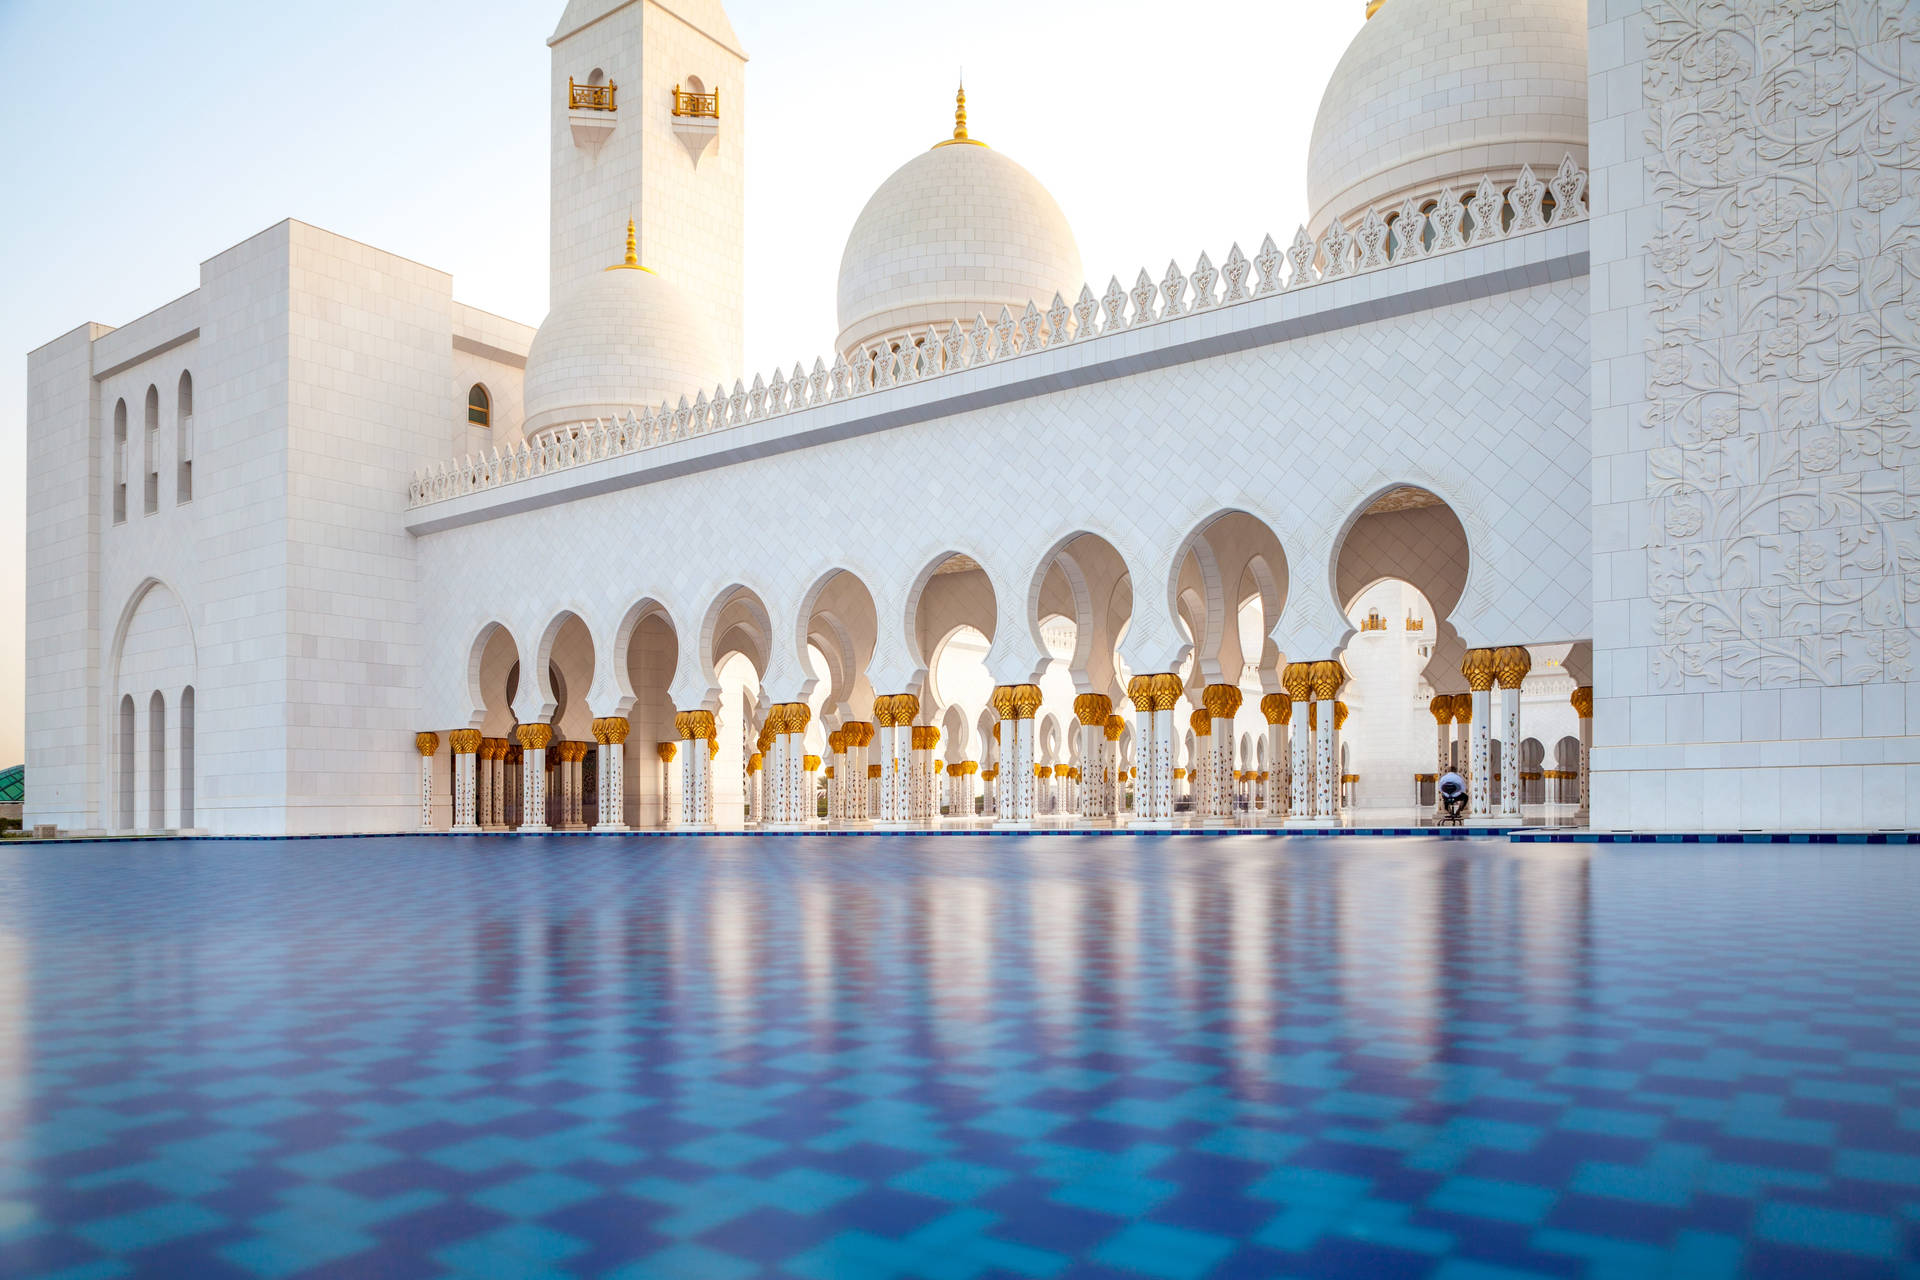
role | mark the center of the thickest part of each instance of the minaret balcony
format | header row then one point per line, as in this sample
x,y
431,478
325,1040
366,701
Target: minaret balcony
x,y
592,111
696,119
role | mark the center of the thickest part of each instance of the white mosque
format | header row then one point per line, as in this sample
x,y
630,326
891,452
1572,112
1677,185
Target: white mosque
x,y
1570,442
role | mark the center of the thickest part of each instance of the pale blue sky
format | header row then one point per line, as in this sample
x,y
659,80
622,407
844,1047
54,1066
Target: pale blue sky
x,y
142,138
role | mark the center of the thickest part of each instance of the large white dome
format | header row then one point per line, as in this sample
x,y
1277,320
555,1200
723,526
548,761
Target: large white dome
x,y
623,339
1433,93
956,232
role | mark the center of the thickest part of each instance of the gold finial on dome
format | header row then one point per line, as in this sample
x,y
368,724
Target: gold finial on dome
x,y
633,254
1373,6
960,122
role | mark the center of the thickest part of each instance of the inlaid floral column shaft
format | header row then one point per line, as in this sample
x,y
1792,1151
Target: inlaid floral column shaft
x,y
533,792
923,802
1327,679
426,744
1583,707
1298,679
1478,668
1511,664
1340,714
697,730
1092,711
1462,754
486,776
1441,705
1222,702
797,807
1277,708
668,809
810,773
1109,779
466,746
1015,704
611,733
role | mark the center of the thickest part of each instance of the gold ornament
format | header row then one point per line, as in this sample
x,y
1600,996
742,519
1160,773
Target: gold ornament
x,y
1026,701
1327,679
1298,679
1277,708
426,743
1511,664
1478,668
1115,726
1339,716
534,737
810,763
754,762
1442,707
1003,701
465,741
1166,691
665,750
1202,723
1463,708
1140,693
873,771
1221,700
1583,701
1092,708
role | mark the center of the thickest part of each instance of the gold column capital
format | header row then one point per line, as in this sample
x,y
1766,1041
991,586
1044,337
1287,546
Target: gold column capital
x,y
534,737
465,741
873,771
1093,708
1340,714
1201,723
1328,676
1478,667
1511,664
1463,708
665,750
1115,726
810,763
1297,678
1166,690
426,743
1003,701
1441,705
1140,693
1222,701
970,766
694,724
1026,701
1277,708
1583,701
611,730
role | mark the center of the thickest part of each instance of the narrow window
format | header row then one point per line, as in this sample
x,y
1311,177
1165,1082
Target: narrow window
x,y
152,434
186,757
157,758
183,477
120,463
479,407
126,762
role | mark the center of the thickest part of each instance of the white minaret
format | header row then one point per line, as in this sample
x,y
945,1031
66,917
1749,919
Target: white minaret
x,y
649,116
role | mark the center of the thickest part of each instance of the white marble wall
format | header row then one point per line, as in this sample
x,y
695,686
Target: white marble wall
x,y
1756,461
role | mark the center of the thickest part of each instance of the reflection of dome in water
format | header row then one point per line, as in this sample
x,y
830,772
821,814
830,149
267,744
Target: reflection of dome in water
x,y
955,232
1436,93
623,339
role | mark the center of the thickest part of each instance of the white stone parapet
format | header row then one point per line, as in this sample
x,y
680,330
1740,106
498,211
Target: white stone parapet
x,y
1447,222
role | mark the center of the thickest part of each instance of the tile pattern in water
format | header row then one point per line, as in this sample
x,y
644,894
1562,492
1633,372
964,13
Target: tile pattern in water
x,y
958,1058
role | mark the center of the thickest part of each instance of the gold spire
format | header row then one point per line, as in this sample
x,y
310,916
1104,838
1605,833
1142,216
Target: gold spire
x,y
960,122
1373,7
633,255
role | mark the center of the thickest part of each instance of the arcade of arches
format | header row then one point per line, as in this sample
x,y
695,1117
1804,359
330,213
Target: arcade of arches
x,y
1242,733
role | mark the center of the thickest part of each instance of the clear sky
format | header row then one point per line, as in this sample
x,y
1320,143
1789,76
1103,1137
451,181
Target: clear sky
x,y
140,138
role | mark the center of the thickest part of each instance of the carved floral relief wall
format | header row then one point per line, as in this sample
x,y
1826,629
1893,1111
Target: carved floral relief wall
x,y
1783,275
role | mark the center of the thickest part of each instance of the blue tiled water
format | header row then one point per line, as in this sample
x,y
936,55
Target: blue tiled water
x,y
957,1058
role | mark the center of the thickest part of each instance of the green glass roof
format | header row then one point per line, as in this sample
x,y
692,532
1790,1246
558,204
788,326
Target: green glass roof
x,y
13,784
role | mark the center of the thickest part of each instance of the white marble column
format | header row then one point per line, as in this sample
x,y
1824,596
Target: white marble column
x,y
611,761
1511,664
1339,760
1441,705
1583,707
798,806
1222,702
696,729
1478,667
466,745
426,744
533,791
669,805
1277,708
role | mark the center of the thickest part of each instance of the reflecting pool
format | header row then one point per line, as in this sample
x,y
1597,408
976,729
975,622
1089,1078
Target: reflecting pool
x,y
958,1057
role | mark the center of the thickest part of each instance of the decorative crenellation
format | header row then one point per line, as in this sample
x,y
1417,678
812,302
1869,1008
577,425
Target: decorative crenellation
x,y
1445,222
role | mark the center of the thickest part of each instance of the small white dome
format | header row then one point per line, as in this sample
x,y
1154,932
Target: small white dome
x,y
956,232
623,339
1436,93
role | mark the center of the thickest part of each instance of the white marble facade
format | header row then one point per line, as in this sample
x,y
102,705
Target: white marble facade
x,y
1658,461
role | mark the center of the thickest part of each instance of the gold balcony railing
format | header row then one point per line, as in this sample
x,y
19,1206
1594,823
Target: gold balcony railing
x,y
590,97
696,104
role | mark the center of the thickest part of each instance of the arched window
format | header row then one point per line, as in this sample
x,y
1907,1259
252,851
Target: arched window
x,y
183,427
151,435
479,407
120,462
